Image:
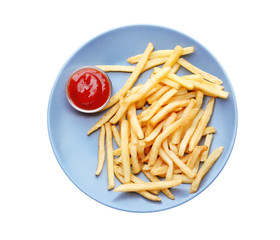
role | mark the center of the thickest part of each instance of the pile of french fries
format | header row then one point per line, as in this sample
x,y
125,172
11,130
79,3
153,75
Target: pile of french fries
x,y
158,125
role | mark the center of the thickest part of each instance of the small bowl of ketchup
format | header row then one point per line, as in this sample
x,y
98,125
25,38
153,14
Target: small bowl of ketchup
x,y
88,89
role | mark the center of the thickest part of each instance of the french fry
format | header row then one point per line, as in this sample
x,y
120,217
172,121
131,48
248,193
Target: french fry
x,y
106,117
133,90
133,77
181,97
174,56
205,168
171,119
169,130
133,120
125,151
170,83
195,155
158,163
162,113
207,142
116,135
135,187
141,149
122,68
199,99
117,152
186,170
145,167
176,135
159,170
210,91
202,124
189,133
178,170
118,160
116,68
175,68
198,71
135,179
145,194
196,166
157,105
155,132
185,159
173,147
148,129
184,178
158,94
110,157
101,150
141,103
198,78
154,62
194,77
160,54
185,83
178,81
136,168
208,130
156,88
167,159
182,91
153,178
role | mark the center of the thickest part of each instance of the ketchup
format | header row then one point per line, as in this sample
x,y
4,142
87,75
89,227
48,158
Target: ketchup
x,y
89,88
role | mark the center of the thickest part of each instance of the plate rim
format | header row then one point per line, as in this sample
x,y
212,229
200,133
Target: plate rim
x,y
230,147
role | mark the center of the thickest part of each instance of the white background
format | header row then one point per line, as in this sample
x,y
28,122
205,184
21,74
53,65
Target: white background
x,y
37,199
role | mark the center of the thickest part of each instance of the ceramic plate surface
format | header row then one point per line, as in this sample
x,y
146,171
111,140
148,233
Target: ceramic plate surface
x,y
77,153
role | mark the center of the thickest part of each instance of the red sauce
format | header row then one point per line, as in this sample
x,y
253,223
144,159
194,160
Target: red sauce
x,y
88,89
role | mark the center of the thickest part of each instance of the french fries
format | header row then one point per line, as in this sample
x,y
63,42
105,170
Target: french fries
x,y
195,154
116,68
135,187
174,56
169,130
161,124
145,194
134,122
140,94
154,178
208,130
160,54
121,68
161,114
110,158
158,94
106,117
189,133
157,105
207,142
101,150
133,153
205,168
202,125
125,150
133,77
116,135
178,162
198,71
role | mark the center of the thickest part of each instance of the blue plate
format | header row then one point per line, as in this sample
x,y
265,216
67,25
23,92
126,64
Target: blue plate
x,y
77,153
